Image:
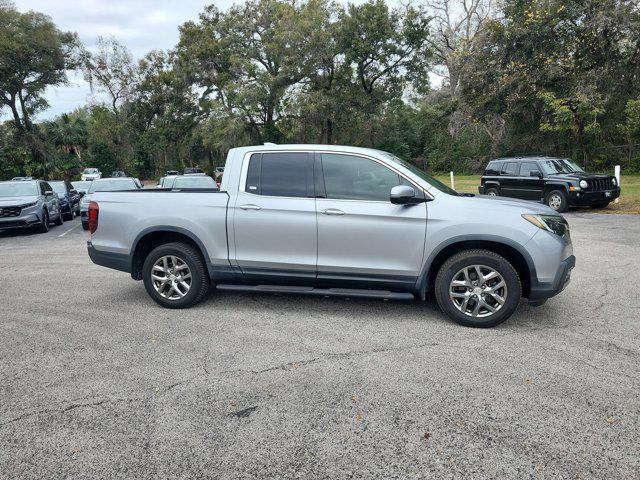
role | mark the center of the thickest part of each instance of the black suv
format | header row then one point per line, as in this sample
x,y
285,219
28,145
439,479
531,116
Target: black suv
x,y
558,182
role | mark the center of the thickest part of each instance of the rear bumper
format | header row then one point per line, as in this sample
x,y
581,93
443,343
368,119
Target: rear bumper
x,y
541,291
116,261
586,198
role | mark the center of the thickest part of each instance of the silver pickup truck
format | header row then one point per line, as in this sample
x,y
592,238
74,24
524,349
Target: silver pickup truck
x,y
334,221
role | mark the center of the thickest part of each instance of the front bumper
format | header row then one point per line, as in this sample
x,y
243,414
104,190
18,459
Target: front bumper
x,y
585,198
24,221
541,291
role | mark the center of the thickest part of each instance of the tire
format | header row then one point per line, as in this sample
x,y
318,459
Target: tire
x,y
557,200
60,220
85,226
488,261
68,217
492,192
43,227
600,205
185,255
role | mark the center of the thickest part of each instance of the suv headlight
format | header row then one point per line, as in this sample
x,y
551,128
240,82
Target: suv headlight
x,y
551,223
27,205
584,184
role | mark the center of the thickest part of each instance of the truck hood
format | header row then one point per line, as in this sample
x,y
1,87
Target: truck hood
x,y
526,206
16,201
577,176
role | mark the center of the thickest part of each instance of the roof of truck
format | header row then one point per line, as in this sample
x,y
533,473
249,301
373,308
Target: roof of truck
x,y
308,146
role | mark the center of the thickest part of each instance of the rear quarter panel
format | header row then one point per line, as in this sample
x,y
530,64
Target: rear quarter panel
x,y
124,215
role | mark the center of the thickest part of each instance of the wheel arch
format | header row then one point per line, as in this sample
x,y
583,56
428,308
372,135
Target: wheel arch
x,y
549,187
512,251
152,237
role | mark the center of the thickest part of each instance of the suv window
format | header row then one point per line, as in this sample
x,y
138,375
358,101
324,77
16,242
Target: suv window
x,y
527,167
510,168
284,174
351,177
493,168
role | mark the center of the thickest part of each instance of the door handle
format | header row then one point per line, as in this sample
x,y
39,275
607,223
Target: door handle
x,y
332,211
250,207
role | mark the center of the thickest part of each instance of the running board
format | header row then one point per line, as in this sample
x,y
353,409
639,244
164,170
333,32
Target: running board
x,y
323,292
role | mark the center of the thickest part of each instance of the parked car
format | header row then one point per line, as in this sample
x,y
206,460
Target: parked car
x,y
558,182
69,198
192,170
104,185
81,187
172,172
90,174
337,221
166,182
118,173
28,204
24,179
187,182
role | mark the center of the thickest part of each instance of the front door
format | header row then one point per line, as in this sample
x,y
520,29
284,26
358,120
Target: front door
x,y
364,239
274,219
531,182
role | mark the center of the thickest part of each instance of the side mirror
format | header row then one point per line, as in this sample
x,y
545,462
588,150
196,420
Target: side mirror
x,y
535,174
404,195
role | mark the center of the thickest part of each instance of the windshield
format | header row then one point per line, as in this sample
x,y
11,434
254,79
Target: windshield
x,y
423,175
17,189
559,165
58,187
111,185
81,185
90,170
194,182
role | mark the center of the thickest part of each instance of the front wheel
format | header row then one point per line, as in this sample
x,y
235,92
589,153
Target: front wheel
x,y
60,220
175,275
478,288
43,226
557,200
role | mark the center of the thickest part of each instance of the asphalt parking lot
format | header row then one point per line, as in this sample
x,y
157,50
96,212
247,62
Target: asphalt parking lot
x,y
97,381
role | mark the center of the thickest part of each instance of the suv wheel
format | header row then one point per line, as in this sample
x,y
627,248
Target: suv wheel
x,y
60,220
478,288
493,192
557,200
69,216
175,275
43,227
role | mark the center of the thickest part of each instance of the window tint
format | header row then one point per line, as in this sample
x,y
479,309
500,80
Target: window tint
x,y
356,178
493,168
42,188
279,174
527,167
510,168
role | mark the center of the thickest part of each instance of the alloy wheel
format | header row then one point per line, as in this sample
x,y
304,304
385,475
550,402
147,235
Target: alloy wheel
x,y
478,291
171,277
555,201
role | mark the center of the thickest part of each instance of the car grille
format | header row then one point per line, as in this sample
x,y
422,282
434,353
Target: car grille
x,y
600,184
10,211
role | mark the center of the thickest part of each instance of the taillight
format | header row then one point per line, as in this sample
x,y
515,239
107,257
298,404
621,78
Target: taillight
x,y
94,210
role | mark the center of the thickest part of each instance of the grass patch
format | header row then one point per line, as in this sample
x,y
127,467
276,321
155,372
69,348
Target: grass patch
x,y
629,198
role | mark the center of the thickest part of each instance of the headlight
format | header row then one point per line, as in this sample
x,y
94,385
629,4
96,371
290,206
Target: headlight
x,y
29,205
614,182
551,223
584,184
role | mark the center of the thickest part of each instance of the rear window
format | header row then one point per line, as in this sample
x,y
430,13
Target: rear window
x,y
111,185
527,167
493,168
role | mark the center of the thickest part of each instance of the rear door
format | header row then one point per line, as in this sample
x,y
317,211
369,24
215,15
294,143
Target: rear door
x,y
274,219
362,237
509,180
531,181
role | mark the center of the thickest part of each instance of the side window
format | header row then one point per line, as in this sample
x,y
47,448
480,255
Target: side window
x,y
510,168
355,178
284,174
527,167
493,168
46,187
42,188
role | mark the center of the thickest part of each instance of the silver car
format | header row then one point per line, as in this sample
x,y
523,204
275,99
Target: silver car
x,y
104,185
29,204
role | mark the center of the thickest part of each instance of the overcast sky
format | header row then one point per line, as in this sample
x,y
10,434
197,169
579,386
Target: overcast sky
x,y
142,25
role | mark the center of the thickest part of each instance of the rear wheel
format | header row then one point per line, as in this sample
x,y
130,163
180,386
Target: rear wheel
x,y
43,226
478,288
175,275
493,192
557,200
